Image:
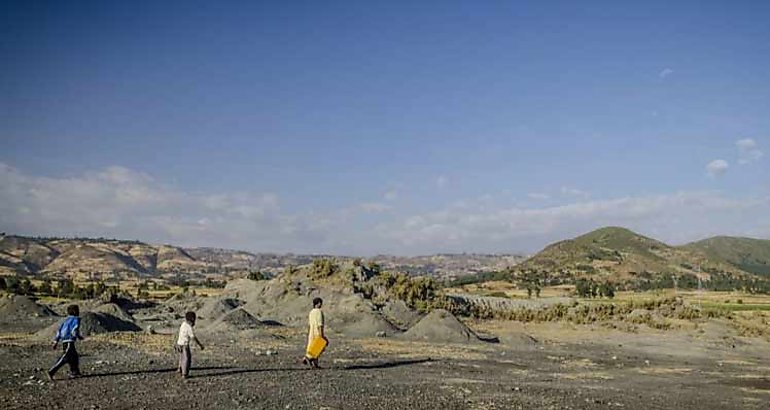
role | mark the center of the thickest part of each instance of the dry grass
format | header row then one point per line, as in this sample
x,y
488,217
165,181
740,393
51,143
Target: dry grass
x,y
584,376
510,290
748,314
752,324
579,364
17,339
414,350
736,362
156,344
754,391
694,297
664,370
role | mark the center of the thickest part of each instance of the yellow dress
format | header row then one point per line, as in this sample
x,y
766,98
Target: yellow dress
x,y
315,323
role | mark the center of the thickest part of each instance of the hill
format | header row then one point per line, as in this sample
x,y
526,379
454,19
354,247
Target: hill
x,y
747,254
618,253
107,258
99,257
21,254
234,259
449,266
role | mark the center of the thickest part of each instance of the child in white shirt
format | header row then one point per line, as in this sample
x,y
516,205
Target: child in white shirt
x,y
186,335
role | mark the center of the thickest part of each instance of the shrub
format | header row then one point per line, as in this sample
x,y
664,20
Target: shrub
x,y
323,268
420,293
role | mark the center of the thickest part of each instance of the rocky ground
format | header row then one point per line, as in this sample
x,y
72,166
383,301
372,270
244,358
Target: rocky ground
x,y
137,371
254,338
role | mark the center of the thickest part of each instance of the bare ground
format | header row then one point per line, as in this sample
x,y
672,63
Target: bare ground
x,y
565,368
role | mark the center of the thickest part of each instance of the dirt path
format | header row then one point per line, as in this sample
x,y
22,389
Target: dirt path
x,y
138,373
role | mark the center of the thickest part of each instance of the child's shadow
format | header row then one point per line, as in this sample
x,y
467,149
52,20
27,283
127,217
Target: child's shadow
x,y
230,370
379,365
151,371
386,365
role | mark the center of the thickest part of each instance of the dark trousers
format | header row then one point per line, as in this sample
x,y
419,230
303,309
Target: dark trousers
x,y
185,359
70,357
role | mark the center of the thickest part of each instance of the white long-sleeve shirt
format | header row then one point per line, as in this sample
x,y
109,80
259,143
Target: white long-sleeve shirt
x,y
186,334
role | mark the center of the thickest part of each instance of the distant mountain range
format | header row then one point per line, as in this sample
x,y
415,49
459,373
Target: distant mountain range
x,y
611,252
109,257
619,253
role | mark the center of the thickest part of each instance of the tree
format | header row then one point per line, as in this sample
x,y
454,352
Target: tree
x,y
66,287
12,284
594,289
583,288
46,288
374,268
532,281
26,287
88,291
323,268
100,288
256,275
607,289
415,292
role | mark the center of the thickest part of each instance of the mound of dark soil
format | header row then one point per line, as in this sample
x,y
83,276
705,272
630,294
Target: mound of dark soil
x,y
440,326
16,307
92,323
236,319
114,310
399,313
126,302
183,302
216,308
95,322
361,324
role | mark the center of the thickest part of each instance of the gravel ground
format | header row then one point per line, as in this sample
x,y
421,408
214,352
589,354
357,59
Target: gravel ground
x,y
133,371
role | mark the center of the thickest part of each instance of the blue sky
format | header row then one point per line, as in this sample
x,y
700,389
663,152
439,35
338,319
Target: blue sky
x,y
349,127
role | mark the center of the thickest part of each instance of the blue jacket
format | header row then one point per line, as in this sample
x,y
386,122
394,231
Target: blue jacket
x,y
69,330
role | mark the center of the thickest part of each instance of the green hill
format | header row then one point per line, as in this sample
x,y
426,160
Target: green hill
x,y
618,254
747,254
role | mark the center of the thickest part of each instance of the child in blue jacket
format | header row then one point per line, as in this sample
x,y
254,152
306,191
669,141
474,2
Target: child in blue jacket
x,y
68,333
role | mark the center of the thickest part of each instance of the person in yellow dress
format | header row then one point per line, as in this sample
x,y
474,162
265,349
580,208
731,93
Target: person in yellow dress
x,y
315,329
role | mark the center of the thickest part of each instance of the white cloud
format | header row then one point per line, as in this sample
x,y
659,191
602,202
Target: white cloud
x,y
442,181
665,72
375,207
538,196
717,167
123,203
748,151
676,217
391,195
567,191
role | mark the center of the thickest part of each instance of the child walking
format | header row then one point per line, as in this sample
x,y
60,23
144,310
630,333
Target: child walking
x,y
186,335
68,333
315,331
